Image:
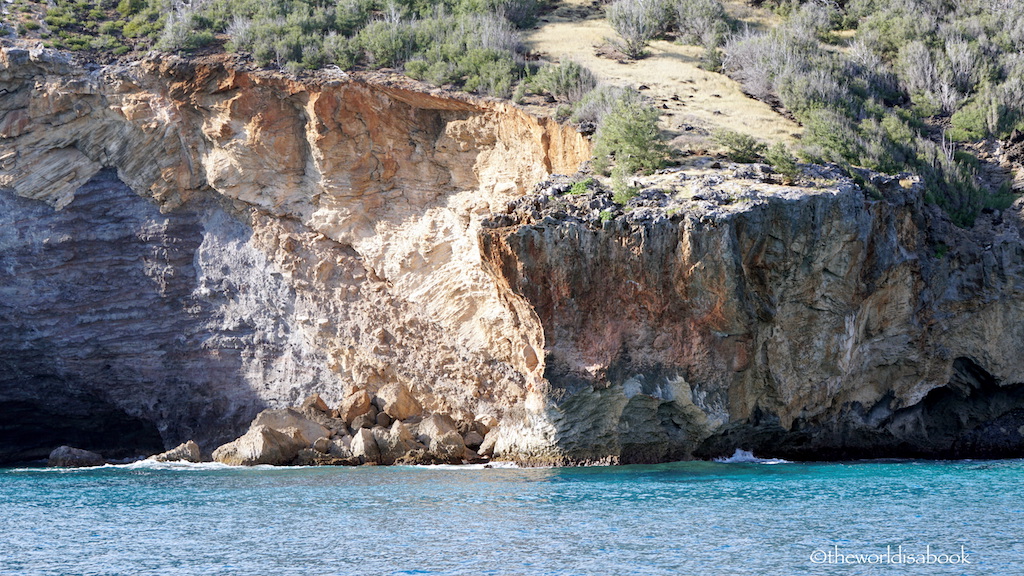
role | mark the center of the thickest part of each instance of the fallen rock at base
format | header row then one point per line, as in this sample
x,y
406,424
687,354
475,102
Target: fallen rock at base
x,y
315,403
68,457
417,457
310,457
284,418
322,445
397,402
185,452
442,438
473,440
394,442
262,445
364,446
353,405
341,447
486,449
473,458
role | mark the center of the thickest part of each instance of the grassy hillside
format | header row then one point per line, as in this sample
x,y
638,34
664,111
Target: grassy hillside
x,y
925,86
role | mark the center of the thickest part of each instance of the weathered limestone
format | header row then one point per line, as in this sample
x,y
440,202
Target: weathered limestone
x,y
236,240
364,446
290,236
354,405
441,438
68,457
262,445
285,418
184,452
397,402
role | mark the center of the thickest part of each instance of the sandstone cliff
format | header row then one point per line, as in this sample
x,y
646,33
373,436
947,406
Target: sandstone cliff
x,y
185,243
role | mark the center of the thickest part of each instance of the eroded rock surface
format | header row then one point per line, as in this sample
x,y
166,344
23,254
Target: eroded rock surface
x,y
183,244
718,312
186,243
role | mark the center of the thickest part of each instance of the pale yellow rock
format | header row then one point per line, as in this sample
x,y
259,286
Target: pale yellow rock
x,y
262,445
355,404
398,402
285,418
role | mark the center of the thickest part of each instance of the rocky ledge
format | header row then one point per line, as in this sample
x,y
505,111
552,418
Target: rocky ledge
x,y
388,428
719,309
185,244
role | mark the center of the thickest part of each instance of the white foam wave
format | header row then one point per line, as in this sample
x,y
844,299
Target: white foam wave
x,y
741,456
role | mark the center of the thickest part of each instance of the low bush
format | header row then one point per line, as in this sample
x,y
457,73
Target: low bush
x,y
740,147
782,162
637,22
629,135
568,81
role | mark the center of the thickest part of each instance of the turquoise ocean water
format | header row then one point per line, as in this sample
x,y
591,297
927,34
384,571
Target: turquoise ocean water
x,y
695,518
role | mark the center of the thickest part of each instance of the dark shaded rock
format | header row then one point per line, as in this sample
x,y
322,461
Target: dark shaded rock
x,y
68,457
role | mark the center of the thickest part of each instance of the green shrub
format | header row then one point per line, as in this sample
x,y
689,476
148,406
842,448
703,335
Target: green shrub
x,y
629,134
597,103
568,81
622,192
581,187
739,147
782,162
701,22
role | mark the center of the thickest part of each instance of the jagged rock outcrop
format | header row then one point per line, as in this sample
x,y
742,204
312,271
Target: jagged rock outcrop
x,y
184,243
720,312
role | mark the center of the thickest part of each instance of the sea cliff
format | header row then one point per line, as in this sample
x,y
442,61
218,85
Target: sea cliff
x,y
185,243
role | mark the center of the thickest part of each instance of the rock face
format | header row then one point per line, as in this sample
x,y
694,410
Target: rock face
x,y
68,457
183,244
817,324
186,243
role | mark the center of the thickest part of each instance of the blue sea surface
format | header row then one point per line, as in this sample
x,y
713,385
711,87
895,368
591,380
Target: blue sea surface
x,y
689,519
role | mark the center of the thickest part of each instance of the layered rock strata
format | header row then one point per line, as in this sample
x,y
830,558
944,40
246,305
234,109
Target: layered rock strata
x,y
716,311
184,244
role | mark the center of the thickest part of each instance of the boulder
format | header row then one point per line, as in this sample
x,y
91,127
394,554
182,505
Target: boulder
x,y
486,449
354,405
310,457
397,402
322,445
315,403
442,438
383,420
484,423
68,457
290,418
364,446
341,447
473,440
186,452
473,458
262,445
393,442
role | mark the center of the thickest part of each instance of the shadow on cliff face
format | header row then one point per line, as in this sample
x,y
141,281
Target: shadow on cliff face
x,y
101,336
972,416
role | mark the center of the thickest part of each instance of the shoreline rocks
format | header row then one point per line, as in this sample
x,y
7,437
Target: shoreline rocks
x,y
184,452
68,457
290,436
